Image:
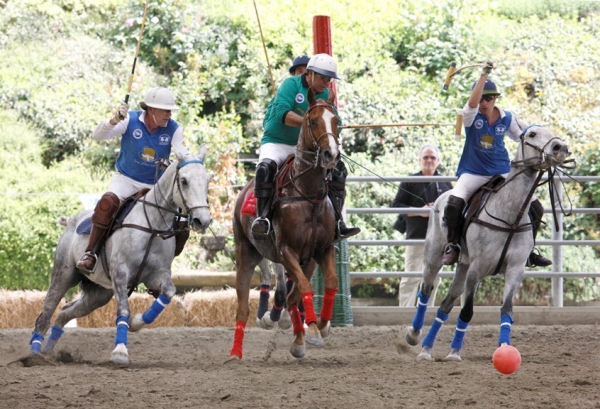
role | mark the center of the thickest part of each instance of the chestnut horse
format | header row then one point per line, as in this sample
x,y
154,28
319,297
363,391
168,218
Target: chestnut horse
x,y
303,229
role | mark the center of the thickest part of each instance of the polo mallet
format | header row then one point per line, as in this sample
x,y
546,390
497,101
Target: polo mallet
x,y
452,71
137,51
273,90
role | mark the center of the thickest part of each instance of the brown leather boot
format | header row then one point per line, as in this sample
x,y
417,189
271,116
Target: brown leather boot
x,y
105,210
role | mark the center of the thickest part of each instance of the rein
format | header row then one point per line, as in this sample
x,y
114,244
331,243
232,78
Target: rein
x,y
164,234
308,160
527,165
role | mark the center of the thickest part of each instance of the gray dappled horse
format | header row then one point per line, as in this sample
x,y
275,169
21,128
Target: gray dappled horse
x,y
146,240
304,227
278,315
504,221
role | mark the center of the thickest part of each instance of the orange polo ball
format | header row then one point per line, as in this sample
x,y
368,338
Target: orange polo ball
x,y
506,359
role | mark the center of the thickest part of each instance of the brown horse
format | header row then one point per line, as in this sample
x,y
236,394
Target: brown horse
x,y
303,222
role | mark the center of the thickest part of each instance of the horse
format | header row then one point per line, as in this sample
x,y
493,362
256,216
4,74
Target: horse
x,y
498,240
303,230
131,256
278,315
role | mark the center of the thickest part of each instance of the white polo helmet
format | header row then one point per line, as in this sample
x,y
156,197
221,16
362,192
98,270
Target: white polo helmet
x,y
159,97
324,64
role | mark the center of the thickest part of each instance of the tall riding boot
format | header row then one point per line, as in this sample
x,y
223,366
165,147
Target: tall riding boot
x,y
181,236
105,211
337,195
536,212
454,220
263,191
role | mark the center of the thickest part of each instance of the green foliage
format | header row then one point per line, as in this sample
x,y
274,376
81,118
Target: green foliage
x,y
32,200
67,63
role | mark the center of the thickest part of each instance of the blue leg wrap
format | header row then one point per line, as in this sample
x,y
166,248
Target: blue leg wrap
x,y
36,342
156,308
419,319
263,301
55,335
505,326
275,314
459,334
440,318
122,328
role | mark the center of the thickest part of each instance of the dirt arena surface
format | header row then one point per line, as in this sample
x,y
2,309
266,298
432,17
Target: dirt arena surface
x,y
359,367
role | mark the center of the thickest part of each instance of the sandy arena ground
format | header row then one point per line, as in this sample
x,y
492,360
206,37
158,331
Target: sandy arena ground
x,y
359,367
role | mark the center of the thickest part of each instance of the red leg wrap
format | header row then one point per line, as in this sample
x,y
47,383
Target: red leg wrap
x,y
296,320
328,301
238,339
309,308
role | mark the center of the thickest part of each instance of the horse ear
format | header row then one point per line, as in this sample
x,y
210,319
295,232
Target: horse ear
x,y
311,97
202,152
522,124
180,156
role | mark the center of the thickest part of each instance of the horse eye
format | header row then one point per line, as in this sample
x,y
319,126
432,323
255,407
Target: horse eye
x,y
183,181
532,135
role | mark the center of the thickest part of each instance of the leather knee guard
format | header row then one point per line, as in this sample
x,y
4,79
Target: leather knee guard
x,y
536,212
263,185
106,209
337,187
454,218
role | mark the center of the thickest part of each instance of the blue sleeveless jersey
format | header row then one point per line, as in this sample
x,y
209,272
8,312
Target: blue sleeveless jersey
x,y
484,152
140,149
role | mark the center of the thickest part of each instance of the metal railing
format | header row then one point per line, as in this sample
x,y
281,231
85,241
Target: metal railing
x,y
557,275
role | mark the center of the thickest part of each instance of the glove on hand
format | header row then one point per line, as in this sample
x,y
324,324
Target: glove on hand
x,y
487,68
121,112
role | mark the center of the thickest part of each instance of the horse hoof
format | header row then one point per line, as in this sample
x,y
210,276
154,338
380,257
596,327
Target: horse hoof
x,y
325,332
454,356
412,336
298,351
425,355
136,323
315,339
265,322
285,322
119,355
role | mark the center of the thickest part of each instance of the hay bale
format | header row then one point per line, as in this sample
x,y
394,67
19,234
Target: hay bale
x,y
172,316
20,309
217,308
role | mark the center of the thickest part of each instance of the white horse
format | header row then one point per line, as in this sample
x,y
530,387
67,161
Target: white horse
x,y
139,252
498,241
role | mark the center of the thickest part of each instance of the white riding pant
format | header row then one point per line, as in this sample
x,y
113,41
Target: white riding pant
x,y
124,186
275,151
409,286
467,184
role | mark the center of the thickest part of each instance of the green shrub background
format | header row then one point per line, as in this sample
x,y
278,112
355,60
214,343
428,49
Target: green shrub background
x,y
65,64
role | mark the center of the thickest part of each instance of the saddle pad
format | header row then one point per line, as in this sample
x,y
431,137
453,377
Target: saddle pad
x,y
249,206
85,227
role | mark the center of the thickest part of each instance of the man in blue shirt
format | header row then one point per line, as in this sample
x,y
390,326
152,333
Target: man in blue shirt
x,y
147,137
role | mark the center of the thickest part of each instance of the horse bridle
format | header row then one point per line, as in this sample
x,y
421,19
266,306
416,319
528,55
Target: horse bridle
x,y
315,140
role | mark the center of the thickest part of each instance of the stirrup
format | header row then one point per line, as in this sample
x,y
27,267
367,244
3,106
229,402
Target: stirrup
x,y
537,260
451,254
261,228
84,269
342,232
